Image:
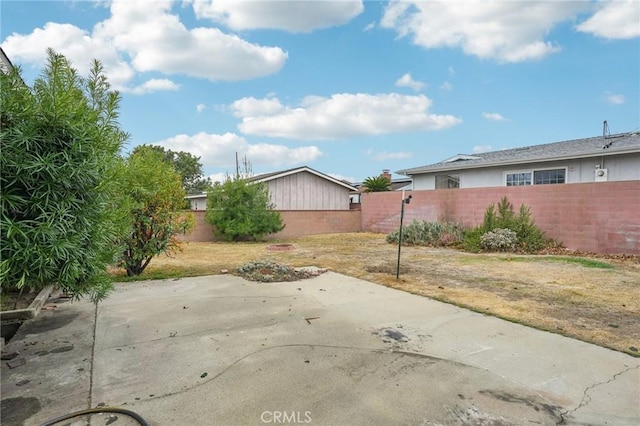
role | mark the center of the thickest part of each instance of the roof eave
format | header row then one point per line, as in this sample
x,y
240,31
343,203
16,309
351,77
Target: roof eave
x,y
460,166
306,169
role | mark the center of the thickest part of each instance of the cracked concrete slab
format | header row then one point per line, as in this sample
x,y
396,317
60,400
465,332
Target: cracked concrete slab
x,y
334,350
56,347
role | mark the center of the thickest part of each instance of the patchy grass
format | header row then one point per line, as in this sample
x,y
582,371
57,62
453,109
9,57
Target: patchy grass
x,y
584,298
586,262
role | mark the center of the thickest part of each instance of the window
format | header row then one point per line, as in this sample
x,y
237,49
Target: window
x,y
447,181
536,177
542,177
518,179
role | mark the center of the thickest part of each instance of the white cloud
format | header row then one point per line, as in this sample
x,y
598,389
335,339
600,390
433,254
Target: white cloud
x,y
153,85
493,116
156,40
79,47
614,20
446,86
384,156
479,149
615,99
342,115
451,71
408,81
218,177
370,26
200,107
505,31
220,150
292,16
144,36
247,107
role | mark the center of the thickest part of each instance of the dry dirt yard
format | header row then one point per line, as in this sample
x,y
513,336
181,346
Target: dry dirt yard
x,y
593,304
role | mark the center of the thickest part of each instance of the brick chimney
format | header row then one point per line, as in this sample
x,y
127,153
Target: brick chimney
x,y
387,174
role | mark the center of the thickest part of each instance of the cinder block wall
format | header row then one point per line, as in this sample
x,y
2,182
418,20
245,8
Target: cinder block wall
x,y
310,222
297,223
601,217
202,231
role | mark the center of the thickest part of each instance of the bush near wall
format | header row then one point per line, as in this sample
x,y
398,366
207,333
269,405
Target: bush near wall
x,y
436,234
529,238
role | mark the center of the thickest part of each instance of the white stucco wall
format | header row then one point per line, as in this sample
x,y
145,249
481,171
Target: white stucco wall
x,y
619,168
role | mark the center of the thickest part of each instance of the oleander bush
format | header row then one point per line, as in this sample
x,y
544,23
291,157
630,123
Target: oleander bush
x,y
60,158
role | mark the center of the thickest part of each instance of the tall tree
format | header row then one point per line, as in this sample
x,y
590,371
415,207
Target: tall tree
x,y
60,151
152,194
377,184
186,164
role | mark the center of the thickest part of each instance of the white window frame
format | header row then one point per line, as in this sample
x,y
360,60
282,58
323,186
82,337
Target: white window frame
x,y
516,172
532,171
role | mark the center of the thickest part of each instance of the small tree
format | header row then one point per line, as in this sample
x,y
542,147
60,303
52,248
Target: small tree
x,y
152,194
377,184
241,210
60,142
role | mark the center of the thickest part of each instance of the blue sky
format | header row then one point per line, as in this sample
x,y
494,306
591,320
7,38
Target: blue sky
x,y
346,87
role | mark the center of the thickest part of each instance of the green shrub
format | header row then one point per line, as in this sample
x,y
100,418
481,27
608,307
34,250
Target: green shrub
x,y
500,239
152,196
471,239
241,210
437,234
60,144
529,237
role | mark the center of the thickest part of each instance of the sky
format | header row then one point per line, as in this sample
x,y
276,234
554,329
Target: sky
x,y
346,87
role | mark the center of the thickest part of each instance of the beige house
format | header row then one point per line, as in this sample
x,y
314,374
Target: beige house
x,y
301,188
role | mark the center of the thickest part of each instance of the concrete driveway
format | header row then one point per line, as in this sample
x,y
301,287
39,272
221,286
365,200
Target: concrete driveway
x,y
331,350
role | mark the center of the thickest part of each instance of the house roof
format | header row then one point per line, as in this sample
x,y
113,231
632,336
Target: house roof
x,y
266,177
599,146
5,64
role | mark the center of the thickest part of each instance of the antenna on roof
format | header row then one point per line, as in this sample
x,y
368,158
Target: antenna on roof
x,y
606,134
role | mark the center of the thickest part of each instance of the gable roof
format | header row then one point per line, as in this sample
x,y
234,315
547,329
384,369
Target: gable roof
x,y
5,63
266,177
622,143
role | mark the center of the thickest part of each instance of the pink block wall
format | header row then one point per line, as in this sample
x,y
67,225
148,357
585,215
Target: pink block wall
x,y
602,217
297,223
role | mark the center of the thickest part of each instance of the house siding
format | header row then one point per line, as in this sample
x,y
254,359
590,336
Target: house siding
x,y
306,191
620,168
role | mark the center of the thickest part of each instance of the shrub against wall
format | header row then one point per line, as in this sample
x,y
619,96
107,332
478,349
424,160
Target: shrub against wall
x,y
60,143
499,239
529,237
436,234
241,210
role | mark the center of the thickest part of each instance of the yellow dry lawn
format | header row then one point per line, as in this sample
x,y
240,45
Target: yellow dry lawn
x,y
597,305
